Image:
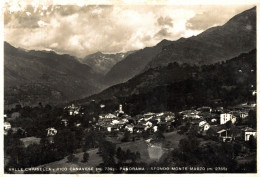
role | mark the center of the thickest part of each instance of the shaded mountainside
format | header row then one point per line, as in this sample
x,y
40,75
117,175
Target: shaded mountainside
x,y
133,64
40,76
216,44
101,63
178,86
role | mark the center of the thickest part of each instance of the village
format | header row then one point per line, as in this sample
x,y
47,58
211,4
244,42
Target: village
x,y
236,124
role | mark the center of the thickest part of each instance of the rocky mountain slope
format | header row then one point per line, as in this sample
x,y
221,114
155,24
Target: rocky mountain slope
x,y
101,63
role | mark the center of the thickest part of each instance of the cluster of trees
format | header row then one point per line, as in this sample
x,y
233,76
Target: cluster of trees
x,y
127,155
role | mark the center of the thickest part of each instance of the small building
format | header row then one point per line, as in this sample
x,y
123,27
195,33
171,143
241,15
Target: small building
x,y
205,109
224,135
139,128
7,126
204,126
224,118
248,132
129,128
112,128
110,116
64,122
51,131
155,128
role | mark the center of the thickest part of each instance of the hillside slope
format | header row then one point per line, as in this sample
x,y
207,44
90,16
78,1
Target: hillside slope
x,y
40,76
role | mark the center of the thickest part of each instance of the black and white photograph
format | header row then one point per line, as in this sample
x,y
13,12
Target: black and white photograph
x,y
129,88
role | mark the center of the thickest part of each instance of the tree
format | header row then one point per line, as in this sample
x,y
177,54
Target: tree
x,y
65,141
228,124
252,142
72,158
85,157
252,119
119,153
138,155
126,136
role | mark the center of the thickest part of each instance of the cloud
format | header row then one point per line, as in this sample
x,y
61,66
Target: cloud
x,y
165,21
214,16
82,30
163,33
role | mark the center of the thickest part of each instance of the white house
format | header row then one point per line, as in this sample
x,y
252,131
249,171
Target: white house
x,y
7,126
64,122
249,132
51,131
148,124
225,135
155,128
130,128
204,125
110,116
224,118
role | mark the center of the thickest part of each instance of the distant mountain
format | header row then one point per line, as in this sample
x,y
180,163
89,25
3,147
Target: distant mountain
x,y
216,44
133,64
40,76
178,86
101,63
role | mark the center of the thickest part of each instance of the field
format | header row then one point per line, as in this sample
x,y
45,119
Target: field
x,y
171,139
30,140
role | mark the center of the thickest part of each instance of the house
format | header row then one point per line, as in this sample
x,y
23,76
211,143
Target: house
x,y
51,131
204,126
7,126
110,116
148,124
205,109
169,118
248,132
73,110
159,114
190,114
77,124
139,128
112,128
64,122
129,128
224,118
241,114
155,128
224,135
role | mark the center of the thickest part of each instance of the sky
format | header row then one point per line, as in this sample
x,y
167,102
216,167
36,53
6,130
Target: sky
x,y
81,29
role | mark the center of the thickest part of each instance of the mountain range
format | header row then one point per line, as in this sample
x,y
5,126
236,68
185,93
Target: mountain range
x,y
216,44
189,63
101,63
43,76
181,86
